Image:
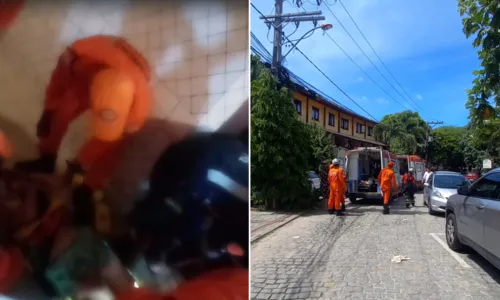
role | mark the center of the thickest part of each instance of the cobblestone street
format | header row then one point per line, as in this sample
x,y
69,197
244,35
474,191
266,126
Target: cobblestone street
x,y
320,256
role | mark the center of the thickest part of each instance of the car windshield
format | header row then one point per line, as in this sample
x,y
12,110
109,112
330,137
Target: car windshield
x,y
449,181
313,175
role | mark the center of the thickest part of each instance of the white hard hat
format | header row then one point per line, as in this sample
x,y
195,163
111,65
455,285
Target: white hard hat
x,y
411,170
336,161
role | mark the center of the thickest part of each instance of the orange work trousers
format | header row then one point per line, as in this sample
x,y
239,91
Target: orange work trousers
x,y
98,158
386,193
336,199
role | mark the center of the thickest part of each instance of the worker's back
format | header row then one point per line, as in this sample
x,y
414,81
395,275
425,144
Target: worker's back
x,y
336,178
385,177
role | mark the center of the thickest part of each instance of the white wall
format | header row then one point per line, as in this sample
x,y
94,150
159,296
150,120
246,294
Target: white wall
x,y
199,50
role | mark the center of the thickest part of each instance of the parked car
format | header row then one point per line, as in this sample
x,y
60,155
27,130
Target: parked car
x,y
440,186
472,176
314,180
473,217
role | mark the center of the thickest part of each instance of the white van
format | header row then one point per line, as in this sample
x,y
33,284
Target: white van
x,y
363,164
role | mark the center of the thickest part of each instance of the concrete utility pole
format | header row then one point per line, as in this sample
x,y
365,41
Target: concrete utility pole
x,y
427,137
278,20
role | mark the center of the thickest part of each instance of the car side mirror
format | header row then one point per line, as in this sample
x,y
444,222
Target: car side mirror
x,y
463,190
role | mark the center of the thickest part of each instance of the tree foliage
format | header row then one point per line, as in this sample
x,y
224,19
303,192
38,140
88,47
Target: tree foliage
x,y
403,133
279,144
322,148
481,21
473,152
445,148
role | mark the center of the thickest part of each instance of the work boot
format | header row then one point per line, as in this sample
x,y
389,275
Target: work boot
x,y
342,208
339,213
46,164
386,210
331,211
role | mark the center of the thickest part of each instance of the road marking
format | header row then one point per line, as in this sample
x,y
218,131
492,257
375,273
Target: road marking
x,y
455,255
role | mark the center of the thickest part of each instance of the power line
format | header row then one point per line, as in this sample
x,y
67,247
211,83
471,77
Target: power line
x,y
376,54
364,53
326,76
364,72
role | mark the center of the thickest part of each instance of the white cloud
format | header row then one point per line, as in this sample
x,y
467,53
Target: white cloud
x,y
419,97
382,101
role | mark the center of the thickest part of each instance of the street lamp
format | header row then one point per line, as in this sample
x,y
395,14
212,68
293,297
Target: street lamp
x,y
324,27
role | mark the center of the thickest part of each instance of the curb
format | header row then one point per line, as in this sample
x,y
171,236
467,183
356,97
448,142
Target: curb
x,y
259,237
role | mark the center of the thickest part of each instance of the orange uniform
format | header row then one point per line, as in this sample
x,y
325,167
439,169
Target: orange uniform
x,y
106,75
224,284
5,147
387,180
336,180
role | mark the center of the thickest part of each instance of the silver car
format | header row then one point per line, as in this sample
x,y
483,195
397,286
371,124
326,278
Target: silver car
x,y
473,217
439,187
314,180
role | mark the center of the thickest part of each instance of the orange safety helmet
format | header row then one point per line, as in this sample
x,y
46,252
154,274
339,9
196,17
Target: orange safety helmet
x,y
112,95
390,164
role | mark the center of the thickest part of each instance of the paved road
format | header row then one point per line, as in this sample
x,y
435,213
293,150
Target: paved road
x,y
326,257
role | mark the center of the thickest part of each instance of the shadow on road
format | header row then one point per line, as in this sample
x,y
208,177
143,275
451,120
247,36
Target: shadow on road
x,y
485,265
397,207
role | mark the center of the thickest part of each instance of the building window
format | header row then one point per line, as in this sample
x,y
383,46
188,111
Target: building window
x,y
344,124
298,106
360,128
315,113
370,131
331,120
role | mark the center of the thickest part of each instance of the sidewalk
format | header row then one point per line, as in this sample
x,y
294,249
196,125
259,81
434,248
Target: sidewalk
x,y
265,222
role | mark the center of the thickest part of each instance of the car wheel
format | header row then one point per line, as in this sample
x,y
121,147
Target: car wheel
x,y
352,199
429,206
451,233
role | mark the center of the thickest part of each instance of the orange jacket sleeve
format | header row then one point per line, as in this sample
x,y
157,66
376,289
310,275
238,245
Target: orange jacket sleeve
x,y
393,181
59,80
379,178
342,178
224,284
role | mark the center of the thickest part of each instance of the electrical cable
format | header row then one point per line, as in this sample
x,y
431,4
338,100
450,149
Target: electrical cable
x,y
376,54
367,57
364,72
323,73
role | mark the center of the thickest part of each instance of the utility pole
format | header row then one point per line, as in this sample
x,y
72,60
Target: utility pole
x,y
278,32
427,137
278,20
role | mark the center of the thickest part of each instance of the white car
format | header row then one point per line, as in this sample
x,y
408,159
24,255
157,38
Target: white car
x,y
314,180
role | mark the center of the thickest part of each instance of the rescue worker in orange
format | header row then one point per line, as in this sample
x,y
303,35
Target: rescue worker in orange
x,y
387,180
336,179
409,187
109,77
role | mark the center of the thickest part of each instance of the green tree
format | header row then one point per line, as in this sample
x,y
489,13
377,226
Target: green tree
x,y
322,148
403,133
279,144
445,148
472,152
481,20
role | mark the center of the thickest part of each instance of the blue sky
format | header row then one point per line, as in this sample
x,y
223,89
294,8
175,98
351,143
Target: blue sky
x,y
421,42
